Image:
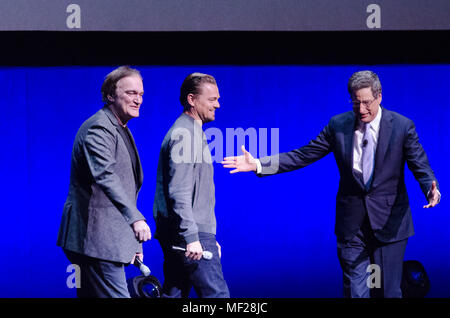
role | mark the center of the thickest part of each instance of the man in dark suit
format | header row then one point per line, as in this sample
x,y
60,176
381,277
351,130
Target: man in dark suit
x,y
373,217
101,228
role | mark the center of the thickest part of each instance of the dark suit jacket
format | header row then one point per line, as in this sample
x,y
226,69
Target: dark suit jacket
x,y
101,204
386,201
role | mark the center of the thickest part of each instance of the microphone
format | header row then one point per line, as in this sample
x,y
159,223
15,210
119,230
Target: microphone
x,y
364,143
206,254
144,269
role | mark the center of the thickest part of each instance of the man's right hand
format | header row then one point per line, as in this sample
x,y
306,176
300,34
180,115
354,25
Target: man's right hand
x,y
194,251
242,163
141,231
434,196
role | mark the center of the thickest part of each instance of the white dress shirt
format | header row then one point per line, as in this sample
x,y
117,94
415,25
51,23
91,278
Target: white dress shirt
x,y
358,139
357,142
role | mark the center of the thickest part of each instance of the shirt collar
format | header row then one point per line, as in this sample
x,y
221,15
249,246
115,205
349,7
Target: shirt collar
x,y
117,117
375,124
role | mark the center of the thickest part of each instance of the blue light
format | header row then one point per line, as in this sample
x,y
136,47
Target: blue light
x,y
276,233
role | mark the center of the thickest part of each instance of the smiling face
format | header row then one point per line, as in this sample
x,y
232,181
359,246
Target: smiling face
x,y
127,99
205,103
365,105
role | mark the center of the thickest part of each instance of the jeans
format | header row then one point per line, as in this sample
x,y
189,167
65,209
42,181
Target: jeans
x,y
181,273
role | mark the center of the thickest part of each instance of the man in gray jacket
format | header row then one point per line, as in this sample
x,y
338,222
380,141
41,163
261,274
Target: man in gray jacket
x,y
101,228
184,199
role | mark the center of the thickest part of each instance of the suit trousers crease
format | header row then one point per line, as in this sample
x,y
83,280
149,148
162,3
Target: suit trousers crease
x,y
99,278
358,253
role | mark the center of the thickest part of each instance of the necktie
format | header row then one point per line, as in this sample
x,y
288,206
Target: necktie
x,y
367,154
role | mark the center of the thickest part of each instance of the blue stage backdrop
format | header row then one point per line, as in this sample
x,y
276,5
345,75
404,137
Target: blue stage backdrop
x,y
277,233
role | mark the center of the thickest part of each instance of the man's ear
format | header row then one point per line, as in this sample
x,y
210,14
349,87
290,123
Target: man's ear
x,y
110,98
191,98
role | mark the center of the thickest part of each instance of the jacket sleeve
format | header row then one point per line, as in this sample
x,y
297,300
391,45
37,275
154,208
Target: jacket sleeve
x,y
299,158
181,189
417,159
99,148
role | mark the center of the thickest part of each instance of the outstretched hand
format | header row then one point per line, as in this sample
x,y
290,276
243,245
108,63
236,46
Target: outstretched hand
x,y
243,163
433,196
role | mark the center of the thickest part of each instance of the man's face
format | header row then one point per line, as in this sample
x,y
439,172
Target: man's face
x,y
365,105
205,103
128,97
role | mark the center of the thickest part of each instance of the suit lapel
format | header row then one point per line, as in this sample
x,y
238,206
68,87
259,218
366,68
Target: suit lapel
x,y
348,129
383,140
110,115
140,175
349,132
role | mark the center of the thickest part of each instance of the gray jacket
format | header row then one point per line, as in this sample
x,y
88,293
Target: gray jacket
x,y
184,198
101,204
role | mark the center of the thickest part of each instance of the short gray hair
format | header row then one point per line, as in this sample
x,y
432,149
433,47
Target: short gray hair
x,y
364,79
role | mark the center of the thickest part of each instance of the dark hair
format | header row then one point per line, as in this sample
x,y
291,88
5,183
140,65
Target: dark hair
x,y
109,84
192,85
364,79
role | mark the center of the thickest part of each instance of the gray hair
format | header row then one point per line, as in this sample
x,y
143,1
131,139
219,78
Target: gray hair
x,y
109,85
192,84
364,79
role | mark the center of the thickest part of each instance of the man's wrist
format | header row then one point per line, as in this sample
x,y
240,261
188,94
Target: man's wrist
x,y
258,166
191,238
438,192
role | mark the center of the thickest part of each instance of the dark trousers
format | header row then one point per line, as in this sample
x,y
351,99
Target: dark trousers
x,y
99,278
363,250
181,273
